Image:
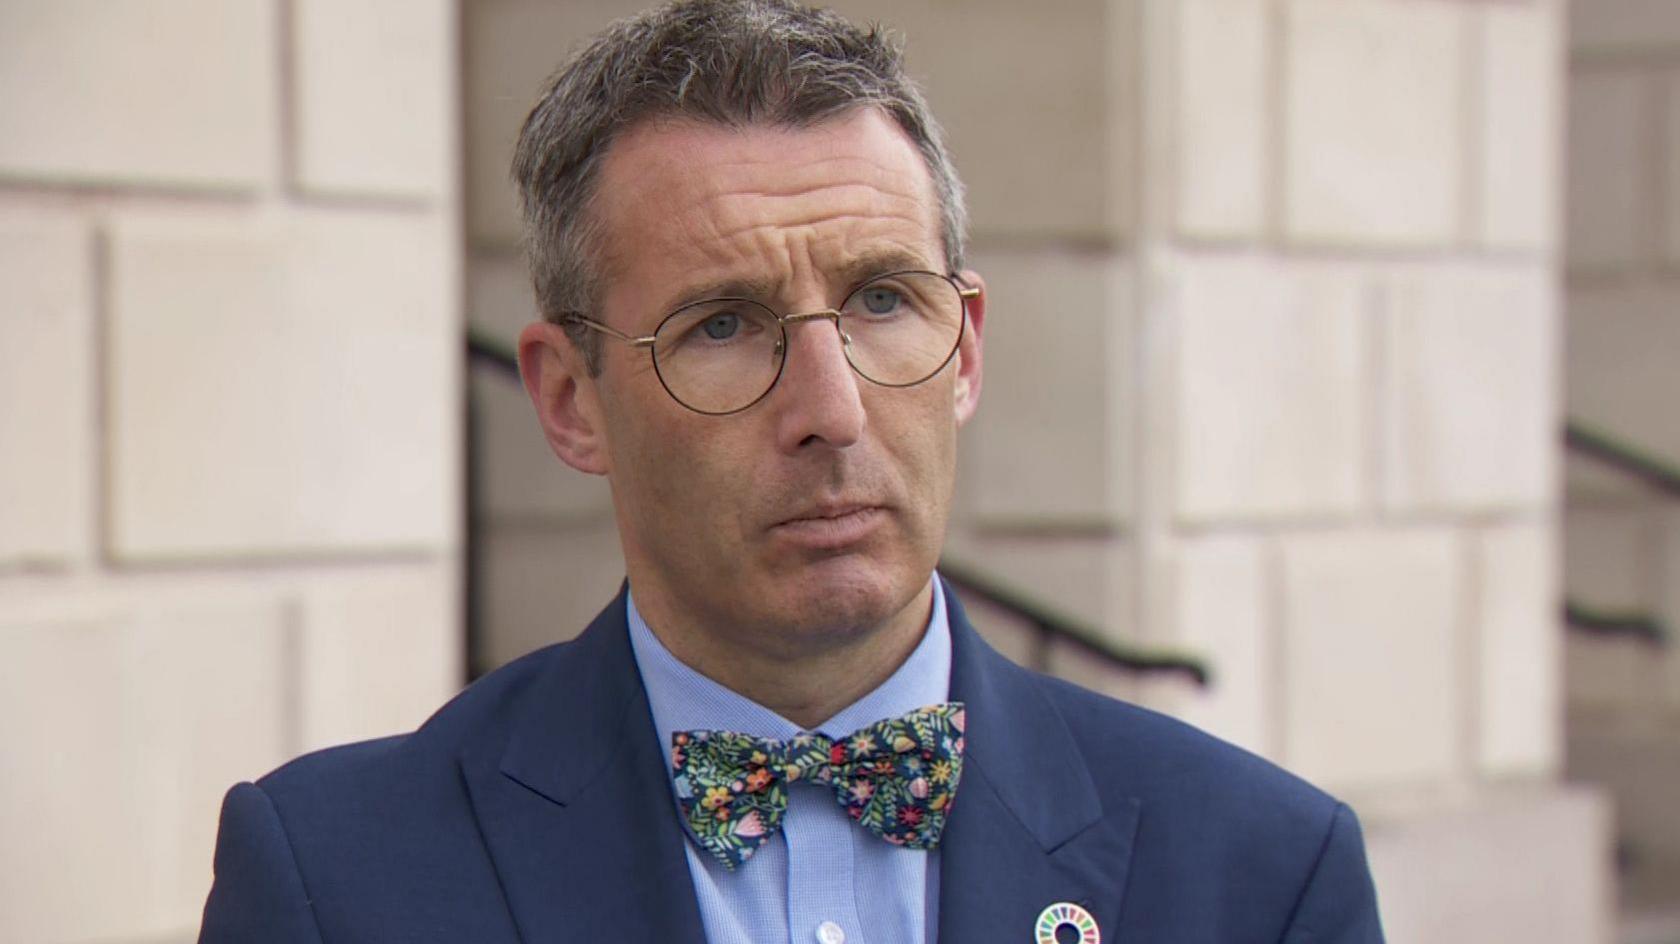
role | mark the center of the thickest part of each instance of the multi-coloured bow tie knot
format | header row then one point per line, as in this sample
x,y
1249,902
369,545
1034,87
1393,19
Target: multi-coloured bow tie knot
x,y
895,778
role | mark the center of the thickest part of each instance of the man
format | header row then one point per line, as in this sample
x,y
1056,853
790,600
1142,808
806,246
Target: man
x,y
747,239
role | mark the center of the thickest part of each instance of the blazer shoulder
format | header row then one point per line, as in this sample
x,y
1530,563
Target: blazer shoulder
x,y
1216,816
479,713
380,833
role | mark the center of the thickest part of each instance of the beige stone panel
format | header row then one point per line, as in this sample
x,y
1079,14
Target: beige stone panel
x,y
1607,166
1221,614
1372,129
381,650
102,845
519,476
1372,661
374,85
1040,109
1518,865
127,728
1519,660
1090,580
281,387
1471,415
46,387
1621,347
129,92
1623,25
543,585
1222,70
1051,442
508,49
1520,110
213,706
1059,103
1271,377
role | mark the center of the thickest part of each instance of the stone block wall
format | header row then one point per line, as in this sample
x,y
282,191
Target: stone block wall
x,y
1273,365
1622,541
229,424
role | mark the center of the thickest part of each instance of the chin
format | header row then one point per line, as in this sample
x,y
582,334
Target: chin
x,y
847,597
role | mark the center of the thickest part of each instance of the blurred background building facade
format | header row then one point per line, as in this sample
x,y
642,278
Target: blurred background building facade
x,y
1622,357
1279,330
230,441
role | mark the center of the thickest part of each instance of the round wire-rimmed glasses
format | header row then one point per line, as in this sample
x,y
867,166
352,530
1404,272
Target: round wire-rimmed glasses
x,y
722,355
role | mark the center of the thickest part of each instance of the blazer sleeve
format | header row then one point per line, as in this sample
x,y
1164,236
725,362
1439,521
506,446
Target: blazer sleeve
x,y
258,896
1339,903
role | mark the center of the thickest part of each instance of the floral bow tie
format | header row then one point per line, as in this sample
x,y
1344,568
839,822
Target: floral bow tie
x,y
895,777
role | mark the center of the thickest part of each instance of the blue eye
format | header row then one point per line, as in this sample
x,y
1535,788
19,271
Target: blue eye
x,y
721,326
880,300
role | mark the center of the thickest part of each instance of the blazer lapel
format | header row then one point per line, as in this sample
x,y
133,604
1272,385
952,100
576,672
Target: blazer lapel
x,y
575,804
1028,828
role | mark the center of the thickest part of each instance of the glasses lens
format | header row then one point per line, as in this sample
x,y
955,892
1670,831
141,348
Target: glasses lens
x,y
718,356
903,328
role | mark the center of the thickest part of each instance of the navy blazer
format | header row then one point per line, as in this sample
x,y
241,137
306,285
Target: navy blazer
x,y
536,807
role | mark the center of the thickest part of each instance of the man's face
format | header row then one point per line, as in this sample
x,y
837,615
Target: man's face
x,y
818,512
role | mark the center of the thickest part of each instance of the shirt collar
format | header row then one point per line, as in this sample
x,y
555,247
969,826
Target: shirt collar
x,y
682,699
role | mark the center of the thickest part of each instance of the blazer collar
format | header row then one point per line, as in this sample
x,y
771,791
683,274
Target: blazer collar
x,y
577,814
575,805
1028,828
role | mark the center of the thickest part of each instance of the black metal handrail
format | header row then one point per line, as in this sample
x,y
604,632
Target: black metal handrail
x,y
1622,625
1051,626
490,351
1646,468
1582,439
1054,627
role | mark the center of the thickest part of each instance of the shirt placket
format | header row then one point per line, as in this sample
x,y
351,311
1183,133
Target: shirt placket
x,y
822,861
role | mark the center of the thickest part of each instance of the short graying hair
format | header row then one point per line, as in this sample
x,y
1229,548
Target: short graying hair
x,y
730,62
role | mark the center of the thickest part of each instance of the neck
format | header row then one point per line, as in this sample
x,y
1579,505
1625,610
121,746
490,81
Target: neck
x,y
806,684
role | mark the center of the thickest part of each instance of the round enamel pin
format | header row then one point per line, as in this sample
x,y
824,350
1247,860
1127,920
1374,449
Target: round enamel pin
x,y
1066,914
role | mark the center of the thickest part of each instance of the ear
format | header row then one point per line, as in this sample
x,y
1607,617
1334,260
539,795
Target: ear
x,y
565,397
970,349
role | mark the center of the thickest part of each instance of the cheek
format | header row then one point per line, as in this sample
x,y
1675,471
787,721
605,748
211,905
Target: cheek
x,y
923,437
681,483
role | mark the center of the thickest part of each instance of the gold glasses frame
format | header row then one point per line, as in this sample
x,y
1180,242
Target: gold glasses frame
x,y
965,293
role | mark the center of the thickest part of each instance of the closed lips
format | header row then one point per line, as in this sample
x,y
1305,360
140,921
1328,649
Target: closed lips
x,y
831,514
832,528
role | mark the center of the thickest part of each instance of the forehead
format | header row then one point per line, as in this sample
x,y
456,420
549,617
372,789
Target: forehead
x,y
680,201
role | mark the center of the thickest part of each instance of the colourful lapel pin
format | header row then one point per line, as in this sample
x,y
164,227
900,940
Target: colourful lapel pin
x,y
1069,915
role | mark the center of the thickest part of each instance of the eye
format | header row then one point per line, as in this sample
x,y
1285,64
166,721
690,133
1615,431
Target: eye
x,y
880,299
722,326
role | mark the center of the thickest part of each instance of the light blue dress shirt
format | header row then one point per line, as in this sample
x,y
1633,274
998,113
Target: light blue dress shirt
x,y
822,879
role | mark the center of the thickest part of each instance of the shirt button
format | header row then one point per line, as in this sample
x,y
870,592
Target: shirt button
x,y
830,933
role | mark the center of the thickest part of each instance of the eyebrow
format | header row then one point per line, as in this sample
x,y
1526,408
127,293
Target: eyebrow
x,y
853,273
873,264
752,288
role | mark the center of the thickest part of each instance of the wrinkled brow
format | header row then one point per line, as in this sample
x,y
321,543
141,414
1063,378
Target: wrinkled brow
x,y
853,273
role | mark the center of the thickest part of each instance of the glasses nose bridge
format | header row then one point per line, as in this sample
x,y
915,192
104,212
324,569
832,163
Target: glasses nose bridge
x,y
824,314
832,315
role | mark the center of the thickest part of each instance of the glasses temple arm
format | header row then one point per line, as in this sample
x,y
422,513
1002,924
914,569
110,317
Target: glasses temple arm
x,y
608,330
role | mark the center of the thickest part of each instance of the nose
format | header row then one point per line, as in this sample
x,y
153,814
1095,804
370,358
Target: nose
x,y
817,399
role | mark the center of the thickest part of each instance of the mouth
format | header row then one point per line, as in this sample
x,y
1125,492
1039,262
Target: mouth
x,y
831,527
